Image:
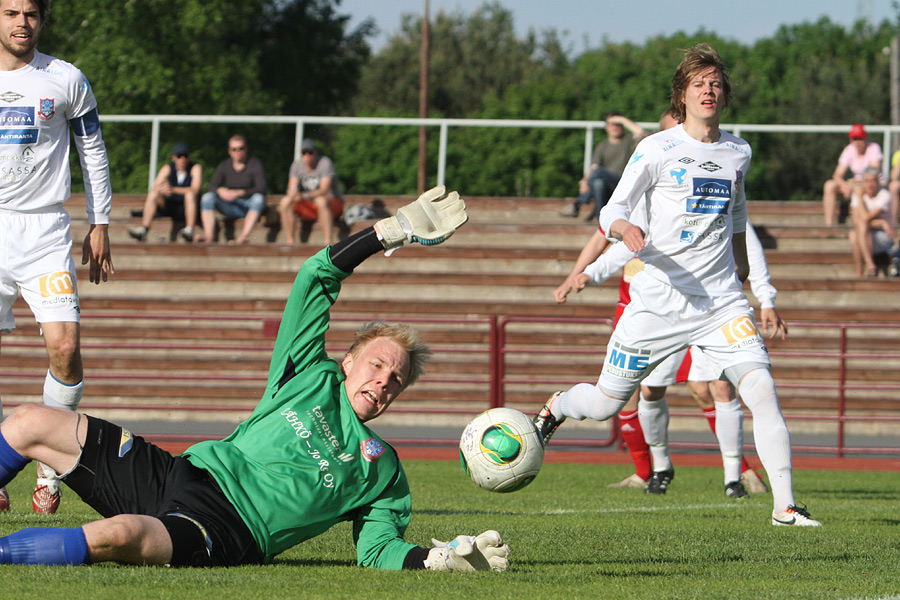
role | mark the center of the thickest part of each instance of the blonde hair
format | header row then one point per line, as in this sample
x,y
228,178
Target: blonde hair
x,y
699,58
405,336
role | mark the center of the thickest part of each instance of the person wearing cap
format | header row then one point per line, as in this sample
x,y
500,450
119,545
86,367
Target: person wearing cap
x,y
174,193
313,194
856,157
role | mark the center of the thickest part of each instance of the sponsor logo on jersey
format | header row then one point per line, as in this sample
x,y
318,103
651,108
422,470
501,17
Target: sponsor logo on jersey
x,y
16,116
11,96
687,237
345,457
57,284
671,143
634,158
743,150
27,155
738,176
709,166
47,108
324,429
707,206
740,328
678,175
126,441
624,361
371,449
686,160
18,136
49,69
711,187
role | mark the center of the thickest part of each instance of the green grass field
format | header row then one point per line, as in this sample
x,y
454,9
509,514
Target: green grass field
x,y
571,537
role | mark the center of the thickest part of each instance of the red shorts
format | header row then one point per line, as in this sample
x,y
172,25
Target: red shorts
x,y
308,211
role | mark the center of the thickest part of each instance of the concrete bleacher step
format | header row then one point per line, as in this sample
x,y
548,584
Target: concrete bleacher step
x,y
183,326
533,222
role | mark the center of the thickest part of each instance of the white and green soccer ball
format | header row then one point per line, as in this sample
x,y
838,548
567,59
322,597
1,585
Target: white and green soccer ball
x,y
501,450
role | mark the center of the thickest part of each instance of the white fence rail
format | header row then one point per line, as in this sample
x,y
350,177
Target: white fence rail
x,y
444,125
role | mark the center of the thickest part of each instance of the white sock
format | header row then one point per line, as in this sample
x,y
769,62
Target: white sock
x,y
730,433
62,395
654,418
586,401
773,441
58,395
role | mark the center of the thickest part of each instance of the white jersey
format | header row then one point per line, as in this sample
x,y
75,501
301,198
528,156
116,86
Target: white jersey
x,y
38,104
618,255
695,202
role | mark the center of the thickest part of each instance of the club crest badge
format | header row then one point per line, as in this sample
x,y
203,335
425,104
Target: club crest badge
x,y
371,449
47,108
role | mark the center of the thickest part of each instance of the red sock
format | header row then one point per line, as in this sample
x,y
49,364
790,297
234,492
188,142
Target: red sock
x,y
710,414
634,439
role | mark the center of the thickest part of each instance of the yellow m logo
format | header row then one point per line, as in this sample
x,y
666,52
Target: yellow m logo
x,y
739,329
57,283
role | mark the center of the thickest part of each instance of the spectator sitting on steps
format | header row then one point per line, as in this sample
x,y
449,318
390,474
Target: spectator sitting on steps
x,y
175,193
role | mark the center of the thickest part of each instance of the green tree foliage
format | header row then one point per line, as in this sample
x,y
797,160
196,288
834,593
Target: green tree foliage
x,y
271,57
207,57
819,73
471,57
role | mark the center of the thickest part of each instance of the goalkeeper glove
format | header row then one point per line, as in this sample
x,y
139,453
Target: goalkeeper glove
x,y
430,220
470,553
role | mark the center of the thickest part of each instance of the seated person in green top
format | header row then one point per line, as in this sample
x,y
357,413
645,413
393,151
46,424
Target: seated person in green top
x,y
303,461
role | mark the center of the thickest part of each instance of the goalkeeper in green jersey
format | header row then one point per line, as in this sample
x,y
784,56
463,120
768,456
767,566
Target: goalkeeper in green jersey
x,y
304,461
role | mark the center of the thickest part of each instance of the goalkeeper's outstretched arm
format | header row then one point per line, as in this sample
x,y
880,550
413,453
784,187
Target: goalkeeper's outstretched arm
x,y
430,220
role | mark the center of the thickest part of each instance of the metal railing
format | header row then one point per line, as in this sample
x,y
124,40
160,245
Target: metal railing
x,y
444,125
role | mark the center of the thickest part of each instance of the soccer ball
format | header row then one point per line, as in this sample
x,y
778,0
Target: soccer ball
x,y
501,450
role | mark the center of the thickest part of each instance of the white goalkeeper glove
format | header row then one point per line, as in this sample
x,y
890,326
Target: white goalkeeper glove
x,y
430,220
470,553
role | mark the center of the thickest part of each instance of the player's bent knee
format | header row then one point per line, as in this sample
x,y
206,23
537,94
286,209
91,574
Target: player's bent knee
x,y
28,424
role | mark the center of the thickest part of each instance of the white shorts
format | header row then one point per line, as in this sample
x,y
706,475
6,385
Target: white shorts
x,y
660,321
666,372
702,369
36,257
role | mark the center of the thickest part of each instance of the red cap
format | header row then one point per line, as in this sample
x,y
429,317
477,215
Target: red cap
x,y
858,132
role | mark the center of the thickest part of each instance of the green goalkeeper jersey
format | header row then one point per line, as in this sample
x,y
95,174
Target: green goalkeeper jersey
x,y
303,461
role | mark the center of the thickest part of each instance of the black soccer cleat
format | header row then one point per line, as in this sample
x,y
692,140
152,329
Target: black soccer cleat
x,y
736,490
659,482
545,422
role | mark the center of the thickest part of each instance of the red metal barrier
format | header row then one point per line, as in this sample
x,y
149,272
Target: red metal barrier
x,y
842,355
496,351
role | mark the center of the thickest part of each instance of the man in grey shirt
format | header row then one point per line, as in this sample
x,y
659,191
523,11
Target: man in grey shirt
x,y
607,164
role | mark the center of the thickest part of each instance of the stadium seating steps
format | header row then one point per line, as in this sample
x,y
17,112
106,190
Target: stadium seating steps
x,y
188,328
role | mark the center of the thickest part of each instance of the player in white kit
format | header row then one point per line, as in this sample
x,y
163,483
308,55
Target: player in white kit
x,y
41,99
695,256
702,378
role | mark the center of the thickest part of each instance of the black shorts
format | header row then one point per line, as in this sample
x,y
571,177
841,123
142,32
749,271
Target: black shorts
x,y
123,474
173,206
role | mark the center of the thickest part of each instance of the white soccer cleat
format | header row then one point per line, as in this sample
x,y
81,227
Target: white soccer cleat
x,y
632,481
794,516
753,482
4,500
45,500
